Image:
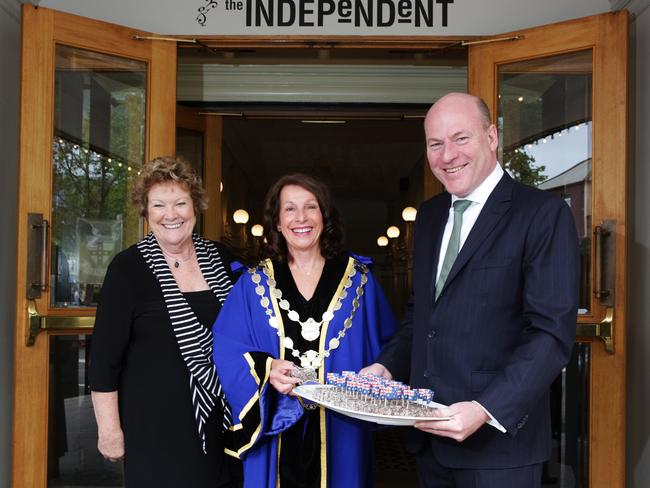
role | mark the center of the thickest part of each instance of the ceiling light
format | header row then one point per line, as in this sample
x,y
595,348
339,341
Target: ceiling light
x,y
308,121
409,214
240,216
392,232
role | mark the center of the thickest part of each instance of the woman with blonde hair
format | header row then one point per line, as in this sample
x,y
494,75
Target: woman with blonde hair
x,y
156,392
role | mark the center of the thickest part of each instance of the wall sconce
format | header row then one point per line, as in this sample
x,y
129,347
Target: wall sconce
x,y
392,232
257,230
240,216
409,214
382,241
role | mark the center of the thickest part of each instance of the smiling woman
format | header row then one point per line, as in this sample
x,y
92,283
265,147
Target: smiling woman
x,y
298,309
152,340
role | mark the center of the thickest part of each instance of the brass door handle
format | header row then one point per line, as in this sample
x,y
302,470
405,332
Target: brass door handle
x,y
605,269
37,322
603,330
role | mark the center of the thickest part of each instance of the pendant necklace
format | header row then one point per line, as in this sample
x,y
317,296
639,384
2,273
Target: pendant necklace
x,y
178,262
310,328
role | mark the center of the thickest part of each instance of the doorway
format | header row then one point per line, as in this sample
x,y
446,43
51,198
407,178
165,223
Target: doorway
x,y
45,30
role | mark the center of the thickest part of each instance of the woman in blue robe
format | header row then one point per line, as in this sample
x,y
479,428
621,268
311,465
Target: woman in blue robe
x,y
309,305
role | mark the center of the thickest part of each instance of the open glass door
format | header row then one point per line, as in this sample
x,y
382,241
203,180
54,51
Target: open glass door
x,y
559,96
97,100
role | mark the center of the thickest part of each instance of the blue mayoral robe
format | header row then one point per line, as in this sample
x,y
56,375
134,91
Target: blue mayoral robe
x,y
244,346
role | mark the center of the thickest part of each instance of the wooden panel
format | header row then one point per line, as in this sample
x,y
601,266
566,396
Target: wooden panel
x,y
161,108
189,118
606,36
213,141
74,30
31,364
608,373
431,184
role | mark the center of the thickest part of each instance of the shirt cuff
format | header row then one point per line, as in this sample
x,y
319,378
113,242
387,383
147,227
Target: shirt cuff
x,y
493,422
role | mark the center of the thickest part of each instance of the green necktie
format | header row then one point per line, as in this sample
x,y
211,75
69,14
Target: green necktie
x,y
454,244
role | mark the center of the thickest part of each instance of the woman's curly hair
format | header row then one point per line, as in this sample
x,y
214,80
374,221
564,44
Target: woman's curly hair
x,y
168,169
331,240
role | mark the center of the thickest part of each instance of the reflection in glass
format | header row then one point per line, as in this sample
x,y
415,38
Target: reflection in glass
x,y
545,126
568,466
73,458
98,148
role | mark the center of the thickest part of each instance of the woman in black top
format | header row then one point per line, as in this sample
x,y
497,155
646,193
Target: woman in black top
x,y
155,390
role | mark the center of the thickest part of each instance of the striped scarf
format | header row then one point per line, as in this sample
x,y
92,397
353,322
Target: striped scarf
x,y
194,340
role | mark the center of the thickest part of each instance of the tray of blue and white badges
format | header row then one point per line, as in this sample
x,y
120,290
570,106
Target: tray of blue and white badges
x,y
372,398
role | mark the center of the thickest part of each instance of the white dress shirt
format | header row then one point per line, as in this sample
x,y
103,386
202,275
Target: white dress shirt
x,y
478,198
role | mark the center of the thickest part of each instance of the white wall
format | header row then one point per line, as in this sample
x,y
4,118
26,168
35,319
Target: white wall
x,y
9,77
638,427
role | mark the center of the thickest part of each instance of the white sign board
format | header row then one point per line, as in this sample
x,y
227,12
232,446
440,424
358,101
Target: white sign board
x,y
331,17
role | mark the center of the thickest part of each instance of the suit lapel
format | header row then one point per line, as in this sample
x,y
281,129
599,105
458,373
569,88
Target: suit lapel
x,y
433,230
497,204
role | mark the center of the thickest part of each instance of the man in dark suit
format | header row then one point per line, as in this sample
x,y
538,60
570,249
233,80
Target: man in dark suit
x,y
492,319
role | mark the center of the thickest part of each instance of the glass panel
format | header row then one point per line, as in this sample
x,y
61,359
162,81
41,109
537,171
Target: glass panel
x,y
189,145
544,123
99,143
568,466
73,458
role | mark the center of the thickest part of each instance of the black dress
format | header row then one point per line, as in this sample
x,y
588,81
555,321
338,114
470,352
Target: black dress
x,y
300,451
134,351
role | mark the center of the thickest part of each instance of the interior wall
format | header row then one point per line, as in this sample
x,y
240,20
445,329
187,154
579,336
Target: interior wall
x,y
9,88
638,400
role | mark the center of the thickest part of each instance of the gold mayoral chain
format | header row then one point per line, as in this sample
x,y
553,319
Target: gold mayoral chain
x,y
310,329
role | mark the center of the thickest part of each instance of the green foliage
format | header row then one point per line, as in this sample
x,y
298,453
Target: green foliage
x,y
521,167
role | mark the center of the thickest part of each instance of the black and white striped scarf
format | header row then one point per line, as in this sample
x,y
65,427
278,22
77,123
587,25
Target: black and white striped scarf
x,y
194,340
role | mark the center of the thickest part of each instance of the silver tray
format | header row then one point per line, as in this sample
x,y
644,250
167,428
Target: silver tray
x,y
308,392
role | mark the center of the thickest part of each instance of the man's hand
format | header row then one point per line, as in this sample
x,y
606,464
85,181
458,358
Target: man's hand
x,y
466,418
280,376
111,445
377,369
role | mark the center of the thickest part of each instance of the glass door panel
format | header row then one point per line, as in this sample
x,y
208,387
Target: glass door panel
x,y
545,127
73,458
98,148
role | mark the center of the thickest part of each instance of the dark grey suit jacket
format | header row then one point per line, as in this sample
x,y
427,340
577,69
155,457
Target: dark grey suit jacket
x,y
503,327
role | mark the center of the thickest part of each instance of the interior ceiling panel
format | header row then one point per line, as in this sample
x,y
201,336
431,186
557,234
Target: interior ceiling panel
x,y
369,155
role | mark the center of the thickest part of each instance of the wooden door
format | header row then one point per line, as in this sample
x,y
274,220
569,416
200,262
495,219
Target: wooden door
x,y
97,100
199,140
559,97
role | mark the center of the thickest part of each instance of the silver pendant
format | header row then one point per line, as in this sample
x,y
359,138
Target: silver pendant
x,y
310,329
310,360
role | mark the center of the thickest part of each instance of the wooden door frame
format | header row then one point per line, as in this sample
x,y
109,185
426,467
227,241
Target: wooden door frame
x,y
211,126
42,29
606,35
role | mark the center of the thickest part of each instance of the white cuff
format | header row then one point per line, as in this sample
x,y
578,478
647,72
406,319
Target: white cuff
x,y
493,422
